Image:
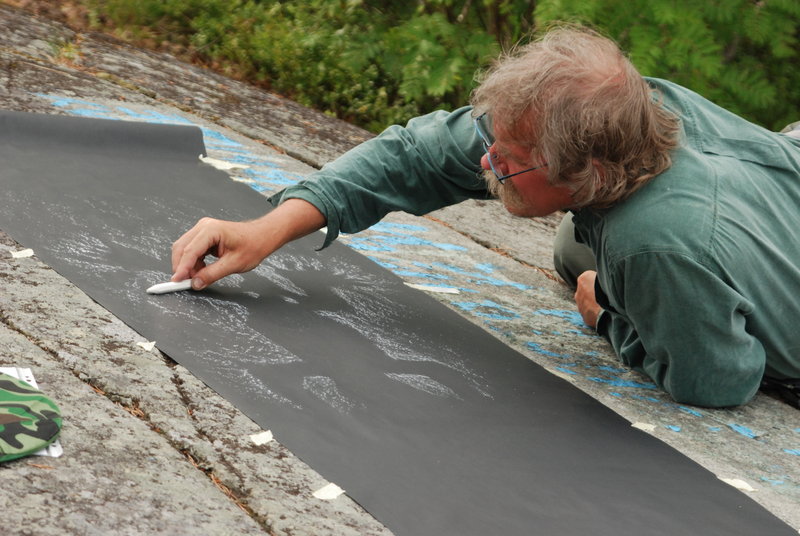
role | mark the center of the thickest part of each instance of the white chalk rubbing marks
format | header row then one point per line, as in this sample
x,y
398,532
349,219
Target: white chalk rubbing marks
x,y
425,384
221,164
645,427
739,484
231,281
22,254
434,288
270,273
147,345
262,438
326,390
255,386
328,492
374,317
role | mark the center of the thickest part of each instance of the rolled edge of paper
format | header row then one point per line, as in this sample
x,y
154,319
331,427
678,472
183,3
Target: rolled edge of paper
x,y
738,483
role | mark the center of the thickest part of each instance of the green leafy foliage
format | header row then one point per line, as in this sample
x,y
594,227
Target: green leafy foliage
x,y
737,53
378,62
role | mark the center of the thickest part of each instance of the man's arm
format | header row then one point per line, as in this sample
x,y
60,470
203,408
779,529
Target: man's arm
x,y
431,163
675,320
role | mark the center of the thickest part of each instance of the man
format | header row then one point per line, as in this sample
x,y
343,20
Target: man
x,y
690,212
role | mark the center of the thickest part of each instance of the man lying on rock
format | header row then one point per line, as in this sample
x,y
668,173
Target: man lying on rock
x,y
682,236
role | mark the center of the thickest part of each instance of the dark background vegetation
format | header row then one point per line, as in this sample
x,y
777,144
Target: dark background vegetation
x,y
378,62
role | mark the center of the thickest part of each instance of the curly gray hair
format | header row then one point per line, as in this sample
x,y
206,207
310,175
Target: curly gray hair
x,y
576,102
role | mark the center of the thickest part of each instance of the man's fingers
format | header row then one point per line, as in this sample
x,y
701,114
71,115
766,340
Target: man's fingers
x,y
213,272
189,251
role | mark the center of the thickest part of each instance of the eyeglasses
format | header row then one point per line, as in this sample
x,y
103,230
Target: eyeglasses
x,y
488,141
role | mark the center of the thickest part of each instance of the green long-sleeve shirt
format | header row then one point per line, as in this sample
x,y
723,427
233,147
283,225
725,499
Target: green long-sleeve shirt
x,y
699,270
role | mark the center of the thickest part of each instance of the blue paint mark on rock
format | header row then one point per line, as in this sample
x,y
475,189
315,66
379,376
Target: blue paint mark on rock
x,y
613,370
487,309
409,273
646,398
276,177
773,481
624,383
794,452
673,427
690,411
387,227
480,277
745,431
383,264
486,267
566,370
536,347
390,241
573,317
714,428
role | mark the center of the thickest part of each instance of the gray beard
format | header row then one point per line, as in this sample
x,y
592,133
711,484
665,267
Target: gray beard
x,y
505,192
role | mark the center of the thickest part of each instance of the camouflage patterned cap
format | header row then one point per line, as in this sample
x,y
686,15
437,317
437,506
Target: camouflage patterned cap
x,y
29,421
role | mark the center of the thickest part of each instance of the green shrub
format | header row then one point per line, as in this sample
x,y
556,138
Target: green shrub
x,y
375,63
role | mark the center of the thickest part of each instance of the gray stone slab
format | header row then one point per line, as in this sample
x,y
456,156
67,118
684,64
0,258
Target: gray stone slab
x,y
118,475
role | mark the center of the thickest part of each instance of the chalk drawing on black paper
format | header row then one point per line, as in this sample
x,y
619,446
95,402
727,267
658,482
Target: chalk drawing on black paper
x,y
325,388
425,384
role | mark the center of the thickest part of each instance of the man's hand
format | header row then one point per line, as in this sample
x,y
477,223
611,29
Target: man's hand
x,y
239,246
585,299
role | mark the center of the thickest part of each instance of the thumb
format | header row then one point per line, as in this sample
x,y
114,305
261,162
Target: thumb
x,y
211,273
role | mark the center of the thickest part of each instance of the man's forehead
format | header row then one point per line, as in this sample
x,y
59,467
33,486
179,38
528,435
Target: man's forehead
x,y
510,149
508,140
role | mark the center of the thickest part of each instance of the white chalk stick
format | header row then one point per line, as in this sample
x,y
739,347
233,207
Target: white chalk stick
x,y
170,286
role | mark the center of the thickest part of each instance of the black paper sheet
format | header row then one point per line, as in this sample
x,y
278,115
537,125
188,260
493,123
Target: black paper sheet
x,y
430,423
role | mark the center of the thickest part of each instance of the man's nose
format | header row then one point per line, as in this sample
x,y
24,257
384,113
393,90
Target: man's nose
x,y
485,161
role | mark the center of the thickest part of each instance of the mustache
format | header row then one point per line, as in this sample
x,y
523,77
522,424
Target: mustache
x,y
504,191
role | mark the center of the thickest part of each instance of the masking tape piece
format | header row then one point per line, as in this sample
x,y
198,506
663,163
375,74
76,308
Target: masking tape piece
x,y
21,254
433,288
221,164
738,484
263,438
147,345
646,427
329,492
